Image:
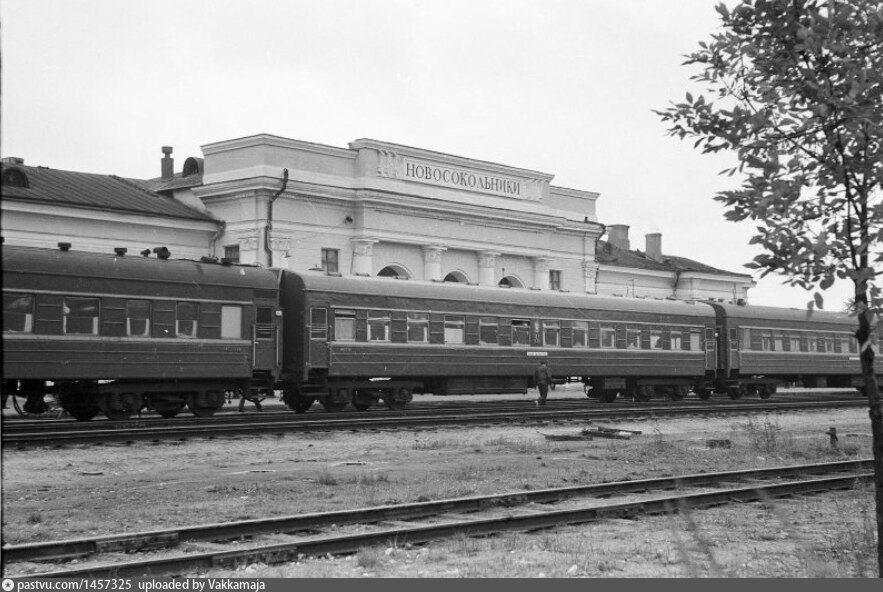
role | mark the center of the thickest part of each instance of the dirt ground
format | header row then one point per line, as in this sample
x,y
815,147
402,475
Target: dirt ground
x,y
77,491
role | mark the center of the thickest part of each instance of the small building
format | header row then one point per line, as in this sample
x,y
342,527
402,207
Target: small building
x,y
652,274
43,206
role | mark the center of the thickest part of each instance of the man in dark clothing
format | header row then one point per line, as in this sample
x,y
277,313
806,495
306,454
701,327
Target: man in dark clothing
x,y
542,377
255,398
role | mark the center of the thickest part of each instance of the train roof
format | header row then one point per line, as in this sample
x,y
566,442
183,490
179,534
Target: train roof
x,y
128,267
771,313
391,287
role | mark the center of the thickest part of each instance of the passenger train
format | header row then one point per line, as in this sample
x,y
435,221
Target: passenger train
x,y
117,334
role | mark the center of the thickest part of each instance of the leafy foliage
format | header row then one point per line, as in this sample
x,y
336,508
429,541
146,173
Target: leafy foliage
x,y
796,90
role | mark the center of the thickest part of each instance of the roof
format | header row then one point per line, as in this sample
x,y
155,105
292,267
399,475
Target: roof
x,y
52,263
190,176
458,292
608,254
93,191
769,313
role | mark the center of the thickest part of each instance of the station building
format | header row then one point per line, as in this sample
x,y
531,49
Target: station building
x,y
373,208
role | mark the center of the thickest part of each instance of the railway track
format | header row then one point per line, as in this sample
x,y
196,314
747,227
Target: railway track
x,y
311,534
54,433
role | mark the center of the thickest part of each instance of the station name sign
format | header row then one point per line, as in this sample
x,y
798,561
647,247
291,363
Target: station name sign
x,y
423,172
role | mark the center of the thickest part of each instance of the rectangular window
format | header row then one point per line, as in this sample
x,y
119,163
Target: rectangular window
x,y
778,342
488,328
676,339
580,333
520,332
378,325
330,260
632,338
319,323
554,279
454,329
551,333
263,324
608,337
794,341
231,253
18,313
696,339
853,345
655,338
186,316
138,318
231,322
418,327
829,345
81,316
766,341
746,339
812,343
345,325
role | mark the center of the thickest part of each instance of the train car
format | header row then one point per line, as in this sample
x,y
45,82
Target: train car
x,y
762,347
359,340
114,333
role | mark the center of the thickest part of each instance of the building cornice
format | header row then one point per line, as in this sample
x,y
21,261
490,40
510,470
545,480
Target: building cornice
x,y
637,271
449,159
259,140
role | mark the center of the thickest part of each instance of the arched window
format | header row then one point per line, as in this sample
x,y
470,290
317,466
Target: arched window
x,y
510,282
457,277
393,271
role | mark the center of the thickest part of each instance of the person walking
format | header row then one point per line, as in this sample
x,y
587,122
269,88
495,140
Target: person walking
x,y
542,377
255,398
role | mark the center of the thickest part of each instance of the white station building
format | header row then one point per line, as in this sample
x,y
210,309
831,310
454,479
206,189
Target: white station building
x,y
373,208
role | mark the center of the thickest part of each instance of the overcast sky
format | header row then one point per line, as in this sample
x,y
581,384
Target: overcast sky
x,y
565,87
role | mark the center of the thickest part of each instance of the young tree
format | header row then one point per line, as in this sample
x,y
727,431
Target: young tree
x,y
796,90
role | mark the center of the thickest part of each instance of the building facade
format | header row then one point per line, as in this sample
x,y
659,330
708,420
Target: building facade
x,y
376,208
372,208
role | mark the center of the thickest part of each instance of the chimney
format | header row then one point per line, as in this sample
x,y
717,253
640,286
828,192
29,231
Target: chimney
x,y
654,246
168,163
618,236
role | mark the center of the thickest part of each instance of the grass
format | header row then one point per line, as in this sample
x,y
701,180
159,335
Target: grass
x,y
312,474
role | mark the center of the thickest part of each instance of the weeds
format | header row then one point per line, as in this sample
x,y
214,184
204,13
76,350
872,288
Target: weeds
x,y
368,557
763,436
326,478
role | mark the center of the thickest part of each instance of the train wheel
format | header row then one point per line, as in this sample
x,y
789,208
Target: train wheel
x,y
735,392
122,406
169,410
703,393
679,392
201,411
766,391
293,398
609,396
205,403
300,404
398,399
168,407
645,393
362,400
79,410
